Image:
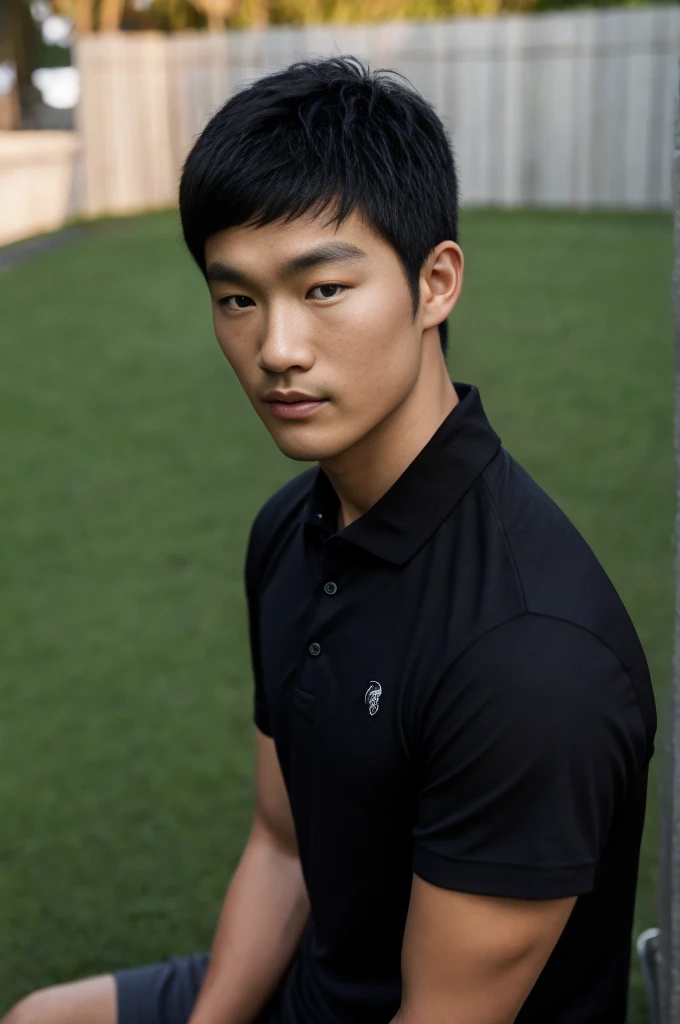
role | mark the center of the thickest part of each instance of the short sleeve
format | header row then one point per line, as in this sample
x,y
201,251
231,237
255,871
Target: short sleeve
x,y
252,583
526,747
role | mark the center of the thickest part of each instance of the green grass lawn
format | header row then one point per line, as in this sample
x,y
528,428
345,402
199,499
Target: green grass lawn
x,y
131,469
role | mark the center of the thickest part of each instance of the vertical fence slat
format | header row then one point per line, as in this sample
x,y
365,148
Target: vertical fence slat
x,y
640,66
508,153
584,107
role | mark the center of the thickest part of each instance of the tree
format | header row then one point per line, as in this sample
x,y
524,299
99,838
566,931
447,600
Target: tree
x,y
80,11
20,44
217,12
110,15
83,14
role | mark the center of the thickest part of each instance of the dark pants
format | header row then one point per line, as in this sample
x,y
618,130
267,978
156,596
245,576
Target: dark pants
x,y
161,993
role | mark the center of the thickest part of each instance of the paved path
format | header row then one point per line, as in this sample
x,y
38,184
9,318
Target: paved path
x,y
19,252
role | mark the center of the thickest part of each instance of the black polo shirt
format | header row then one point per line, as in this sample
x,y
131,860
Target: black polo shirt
x,y
454,689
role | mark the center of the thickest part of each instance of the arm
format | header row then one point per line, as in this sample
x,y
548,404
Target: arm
x,y
470,959
265,910
527,747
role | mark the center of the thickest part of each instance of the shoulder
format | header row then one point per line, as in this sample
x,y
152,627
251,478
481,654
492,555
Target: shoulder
x,y
539,532
277,516
558,572
538,685
543,659
554,561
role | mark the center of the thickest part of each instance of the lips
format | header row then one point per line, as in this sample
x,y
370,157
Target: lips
x,y
288,397
296,409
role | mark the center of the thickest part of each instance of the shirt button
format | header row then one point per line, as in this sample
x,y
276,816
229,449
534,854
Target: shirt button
x,y
314,649
331,588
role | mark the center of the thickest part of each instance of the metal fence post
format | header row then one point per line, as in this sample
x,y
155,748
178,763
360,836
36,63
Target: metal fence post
x,y
668,958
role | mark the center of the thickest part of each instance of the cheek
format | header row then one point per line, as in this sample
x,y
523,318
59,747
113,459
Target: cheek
x,y
236,349
385,351
378,326
383,344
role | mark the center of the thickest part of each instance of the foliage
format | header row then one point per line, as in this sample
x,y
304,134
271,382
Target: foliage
x,y
178,15
166,16
217,11
347,11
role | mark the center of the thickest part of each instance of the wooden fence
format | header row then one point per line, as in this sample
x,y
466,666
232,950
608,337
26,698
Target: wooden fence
x,y
561,109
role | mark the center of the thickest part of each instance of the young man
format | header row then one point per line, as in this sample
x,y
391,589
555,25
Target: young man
x,y
454,714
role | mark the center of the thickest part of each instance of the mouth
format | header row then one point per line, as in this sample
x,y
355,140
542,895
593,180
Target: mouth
x,y
295,409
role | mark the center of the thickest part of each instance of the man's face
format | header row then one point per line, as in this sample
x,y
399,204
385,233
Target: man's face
x,y
315,312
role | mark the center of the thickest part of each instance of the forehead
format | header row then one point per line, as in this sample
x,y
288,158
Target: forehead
x,y
264,248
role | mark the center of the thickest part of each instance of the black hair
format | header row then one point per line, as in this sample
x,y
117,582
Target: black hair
x,y
326,135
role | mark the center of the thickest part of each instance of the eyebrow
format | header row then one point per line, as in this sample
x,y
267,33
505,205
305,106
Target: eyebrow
x,y
330,252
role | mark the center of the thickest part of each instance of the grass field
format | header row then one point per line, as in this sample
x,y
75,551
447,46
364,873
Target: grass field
x,y
131,469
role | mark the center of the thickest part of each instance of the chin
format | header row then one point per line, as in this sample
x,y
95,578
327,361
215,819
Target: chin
x,y
309,449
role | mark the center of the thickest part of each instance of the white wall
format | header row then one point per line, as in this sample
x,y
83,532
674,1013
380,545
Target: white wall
x,y
37,170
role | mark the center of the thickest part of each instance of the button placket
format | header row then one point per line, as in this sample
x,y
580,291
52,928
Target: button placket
x,y
330,588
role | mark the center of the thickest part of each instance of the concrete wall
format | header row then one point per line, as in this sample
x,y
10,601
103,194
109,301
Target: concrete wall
x,y
37,177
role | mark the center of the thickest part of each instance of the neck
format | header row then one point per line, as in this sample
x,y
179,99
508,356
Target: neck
x,y
363,473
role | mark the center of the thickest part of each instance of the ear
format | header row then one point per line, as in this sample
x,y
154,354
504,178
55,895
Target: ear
x,y
441,280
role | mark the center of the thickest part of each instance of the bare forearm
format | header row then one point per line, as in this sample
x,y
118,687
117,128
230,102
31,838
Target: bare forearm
x,y
426,1018
260,927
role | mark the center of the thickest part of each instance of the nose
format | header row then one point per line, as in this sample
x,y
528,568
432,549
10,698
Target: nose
x,y
285,344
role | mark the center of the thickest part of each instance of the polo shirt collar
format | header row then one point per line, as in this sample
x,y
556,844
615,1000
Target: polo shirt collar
x,y
428,490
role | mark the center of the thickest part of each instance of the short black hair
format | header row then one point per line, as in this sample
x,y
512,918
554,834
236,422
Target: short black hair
x,y
326,135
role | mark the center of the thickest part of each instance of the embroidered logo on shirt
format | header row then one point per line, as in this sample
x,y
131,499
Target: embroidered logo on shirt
x,y
372,698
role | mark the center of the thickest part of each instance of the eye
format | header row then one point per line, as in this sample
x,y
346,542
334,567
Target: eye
x,y
327,291
236,302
